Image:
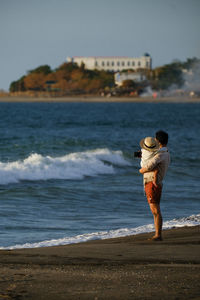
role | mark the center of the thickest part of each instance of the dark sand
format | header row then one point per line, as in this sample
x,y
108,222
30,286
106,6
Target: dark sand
x,y
121,268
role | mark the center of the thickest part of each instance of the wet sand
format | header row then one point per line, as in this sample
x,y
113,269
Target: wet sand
x,y
14,99
122,268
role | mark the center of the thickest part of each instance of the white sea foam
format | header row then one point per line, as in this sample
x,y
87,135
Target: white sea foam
x,y
175,223
71,166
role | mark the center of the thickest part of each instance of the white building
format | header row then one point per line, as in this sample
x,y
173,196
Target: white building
x,y
113,63
135,76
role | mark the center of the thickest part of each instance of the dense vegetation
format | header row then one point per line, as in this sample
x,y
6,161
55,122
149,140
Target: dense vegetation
x,y
164,77
69,79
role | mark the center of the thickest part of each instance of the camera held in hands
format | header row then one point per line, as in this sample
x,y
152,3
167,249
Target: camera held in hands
x,y
138,154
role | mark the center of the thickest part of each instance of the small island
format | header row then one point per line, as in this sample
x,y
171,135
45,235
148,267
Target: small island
x,y
70,82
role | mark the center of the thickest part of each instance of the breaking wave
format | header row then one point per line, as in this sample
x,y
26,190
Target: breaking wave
x,y
71,166
175,223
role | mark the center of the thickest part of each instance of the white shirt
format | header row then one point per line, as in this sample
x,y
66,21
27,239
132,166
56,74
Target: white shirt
x,y
146,156
161,162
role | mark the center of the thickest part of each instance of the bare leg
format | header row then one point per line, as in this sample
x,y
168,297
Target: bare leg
x,y
155,209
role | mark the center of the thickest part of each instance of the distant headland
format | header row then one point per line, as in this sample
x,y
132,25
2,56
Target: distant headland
x,y
134,80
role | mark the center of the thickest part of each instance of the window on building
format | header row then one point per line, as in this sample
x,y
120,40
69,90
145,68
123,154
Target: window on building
x,y
96,63
113,63
102,64
122,63
147,64
133,63
128,63
118,63
108,63
139,63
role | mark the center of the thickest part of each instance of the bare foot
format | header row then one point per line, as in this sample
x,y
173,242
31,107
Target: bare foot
x,y
155,239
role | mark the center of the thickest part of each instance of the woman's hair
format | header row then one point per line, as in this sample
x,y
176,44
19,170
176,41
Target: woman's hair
x,y
162,137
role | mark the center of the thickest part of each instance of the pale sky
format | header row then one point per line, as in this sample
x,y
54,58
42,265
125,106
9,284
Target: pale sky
x,y
38,32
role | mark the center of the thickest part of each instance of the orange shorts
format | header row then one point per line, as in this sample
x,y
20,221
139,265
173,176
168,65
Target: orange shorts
x,y
153,193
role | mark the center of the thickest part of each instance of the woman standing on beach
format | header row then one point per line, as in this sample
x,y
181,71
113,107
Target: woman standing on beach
x,y
154,190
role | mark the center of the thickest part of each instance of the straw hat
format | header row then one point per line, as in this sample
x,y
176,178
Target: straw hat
x,y
149,143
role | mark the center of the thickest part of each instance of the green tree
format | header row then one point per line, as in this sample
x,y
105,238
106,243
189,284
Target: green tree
x,y
190,63
67,67
129,84
18,85
107,78
167,75
45,69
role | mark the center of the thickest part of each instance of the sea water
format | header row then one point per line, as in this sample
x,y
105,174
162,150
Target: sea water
x,y
68,175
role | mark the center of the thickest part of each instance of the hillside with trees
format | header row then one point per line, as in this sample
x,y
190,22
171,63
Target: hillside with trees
x,y
70,79
67,79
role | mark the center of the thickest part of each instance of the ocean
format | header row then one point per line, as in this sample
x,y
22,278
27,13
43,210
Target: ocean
x,y
68,175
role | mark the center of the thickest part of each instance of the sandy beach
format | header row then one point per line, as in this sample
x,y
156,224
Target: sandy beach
x,y
15,99
123,268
